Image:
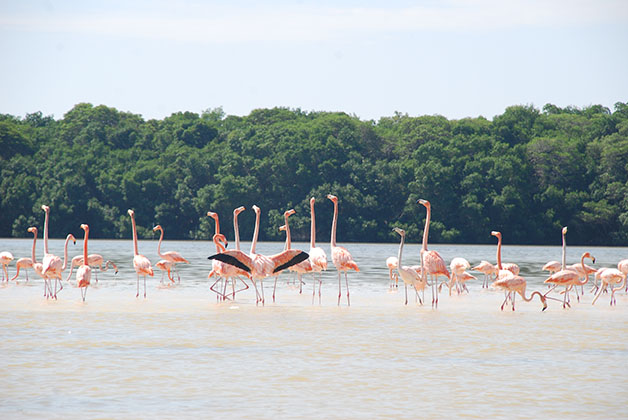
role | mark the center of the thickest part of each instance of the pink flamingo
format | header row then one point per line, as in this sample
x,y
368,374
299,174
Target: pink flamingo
x,y
488,269
457,266
95,261
173,256
318,257
503,270
608,277
23,263
341,258
409,275
260,266
623,267
392,263
554,266
140,263
52,265
569,278
165,266
304,267
84,272
39,267
5,259
516,284
53,269
221,270
431,261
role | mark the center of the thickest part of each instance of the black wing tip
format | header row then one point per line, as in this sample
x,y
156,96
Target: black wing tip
x,y
301,256
228,259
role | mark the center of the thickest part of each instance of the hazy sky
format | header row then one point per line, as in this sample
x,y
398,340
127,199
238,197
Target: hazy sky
x,y
369,58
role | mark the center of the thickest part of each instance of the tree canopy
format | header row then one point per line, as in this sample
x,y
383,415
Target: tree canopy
x,y
527,173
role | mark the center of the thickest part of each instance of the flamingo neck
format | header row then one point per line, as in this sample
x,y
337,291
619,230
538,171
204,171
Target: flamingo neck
x,y
255,232
135,251
236,231
65,254
499,253
33,251
288,238
334,224
46,233
426,230
586,273
161,237
85,262
312,226
564,258
528,299
400,251
220,248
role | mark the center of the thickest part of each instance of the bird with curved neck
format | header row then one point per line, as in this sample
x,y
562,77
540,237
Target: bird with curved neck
x,y
173,256
5,259
304,267
488,269
503,269
516,284
570,278
408,275
431,261
340,256
260,266
84,272
608,277
318,257
22,264
141,264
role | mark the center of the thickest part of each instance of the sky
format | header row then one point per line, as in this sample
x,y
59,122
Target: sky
x,y
371,59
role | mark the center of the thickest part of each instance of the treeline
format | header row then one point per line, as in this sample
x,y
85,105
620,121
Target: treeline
x,y
527,173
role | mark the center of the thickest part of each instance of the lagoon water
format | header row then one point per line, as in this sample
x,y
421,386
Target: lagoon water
x,y
181,354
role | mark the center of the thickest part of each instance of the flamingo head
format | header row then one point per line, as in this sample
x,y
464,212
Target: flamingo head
x,y
424,202
45,208
32,230
72,238
544,302
221,238
312,200
238,210
565,230
85,227
131,213
333,198
589,256
156,228
288,213
282,227
256,209
400,231
497,234
213,215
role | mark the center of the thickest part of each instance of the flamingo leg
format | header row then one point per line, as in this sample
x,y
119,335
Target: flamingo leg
x,y
275,288
144,286
347,284
406,293
138,286
339,288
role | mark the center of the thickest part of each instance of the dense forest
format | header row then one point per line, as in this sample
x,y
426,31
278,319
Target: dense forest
x,y
527,173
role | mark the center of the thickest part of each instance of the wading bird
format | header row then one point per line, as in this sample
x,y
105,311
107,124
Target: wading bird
x,y
318,257
173,256
140,263
341,258
431,261
570,278
84,272
408,275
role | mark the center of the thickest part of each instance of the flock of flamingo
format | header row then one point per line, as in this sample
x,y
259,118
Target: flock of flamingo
x,y
236,267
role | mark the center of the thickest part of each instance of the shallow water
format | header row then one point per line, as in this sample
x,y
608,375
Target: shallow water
x,y
180,354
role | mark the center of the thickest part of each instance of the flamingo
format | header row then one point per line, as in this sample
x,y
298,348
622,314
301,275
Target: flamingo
x,y
392,263
570,278
95,261
173,256
5,259
53,269
221,270
516,284
431,261
304,267
23,263
554,266
318,257
457,266
488,269
260,266
140,263
408,275
503,270
610,276
341,258
623,267
84,272
51,263
165,266
39,267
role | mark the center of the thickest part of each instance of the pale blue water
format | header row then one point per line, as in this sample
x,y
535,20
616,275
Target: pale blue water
x,y
180,354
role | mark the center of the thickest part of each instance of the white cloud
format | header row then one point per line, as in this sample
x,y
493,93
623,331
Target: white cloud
x,y
218,24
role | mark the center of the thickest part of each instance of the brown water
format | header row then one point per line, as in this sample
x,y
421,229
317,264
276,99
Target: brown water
x,y
180,354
